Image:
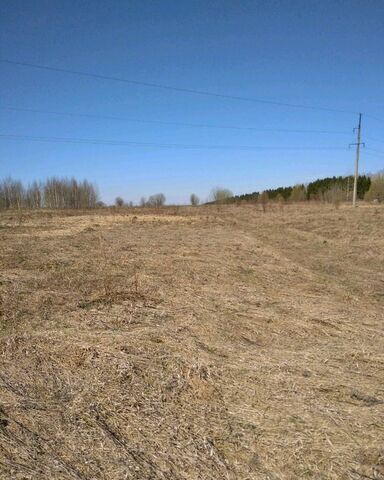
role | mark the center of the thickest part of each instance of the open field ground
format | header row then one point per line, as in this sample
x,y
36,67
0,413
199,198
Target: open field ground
x,y
193,343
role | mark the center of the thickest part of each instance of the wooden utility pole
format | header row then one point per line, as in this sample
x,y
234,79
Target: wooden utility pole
x,y
358,129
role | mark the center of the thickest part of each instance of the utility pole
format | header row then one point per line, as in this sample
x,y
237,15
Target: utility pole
x,y
358,129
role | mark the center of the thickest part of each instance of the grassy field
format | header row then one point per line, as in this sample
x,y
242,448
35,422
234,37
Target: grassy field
x,y
193,343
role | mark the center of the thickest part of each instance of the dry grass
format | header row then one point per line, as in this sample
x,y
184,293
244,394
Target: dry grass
x,y
193,343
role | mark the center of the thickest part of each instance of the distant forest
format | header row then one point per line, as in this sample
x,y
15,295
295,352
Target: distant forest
x,y
319,189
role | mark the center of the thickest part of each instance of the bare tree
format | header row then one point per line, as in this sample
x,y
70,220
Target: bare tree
x,y
12,193
220,195
335,194
53,193
194,200
34,195
280,200
298,194
263,200
119,202
156,200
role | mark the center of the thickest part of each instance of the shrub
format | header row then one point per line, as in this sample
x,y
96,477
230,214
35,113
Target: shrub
x,y
221,195
263,200
376,189
335,194
119,202
194,199
157,200
280,200
298,194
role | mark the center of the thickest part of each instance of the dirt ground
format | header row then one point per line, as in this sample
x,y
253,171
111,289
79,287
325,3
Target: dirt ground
x,y
193,343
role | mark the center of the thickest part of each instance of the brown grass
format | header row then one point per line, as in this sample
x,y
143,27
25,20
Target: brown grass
x,y
193,343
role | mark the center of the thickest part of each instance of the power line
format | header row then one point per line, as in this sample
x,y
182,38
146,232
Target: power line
x,y
375,150
177,89
373,117
180,124
157,145
374,139
376,155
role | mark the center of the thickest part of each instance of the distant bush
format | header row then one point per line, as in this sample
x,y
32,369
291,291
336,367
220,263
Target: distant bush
x,y
298,193
157,200
194,200
376,189
263,200
280,201
220,195
335,194
119,202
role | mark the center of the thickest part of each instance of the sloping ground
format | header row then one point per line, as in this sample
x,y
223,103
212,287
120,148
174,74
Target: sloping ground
x,y
193,344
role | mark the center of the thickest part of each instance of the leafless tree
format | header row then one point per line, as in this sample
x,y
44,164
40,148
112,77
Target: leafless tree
x,y
53,193
298,194
220,195
335,194
263,200
194,200
157,200
12,193
119,202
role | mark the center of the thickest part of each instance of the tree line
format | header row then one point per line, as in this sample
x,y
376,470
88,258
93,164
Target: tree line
x,y
69,193
156,200
324,189
52,193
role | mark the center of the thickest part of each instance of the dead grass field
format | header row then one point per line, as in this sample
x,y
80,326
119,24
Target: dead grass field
x,y
193,343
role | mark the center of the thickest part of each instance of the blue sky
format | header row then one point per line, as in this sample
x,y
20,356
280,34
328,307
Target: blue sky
x,y
323,53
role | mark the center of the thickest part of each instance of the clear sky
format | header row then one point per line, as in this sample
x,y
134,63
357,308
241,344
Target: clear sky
x,y
326,53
